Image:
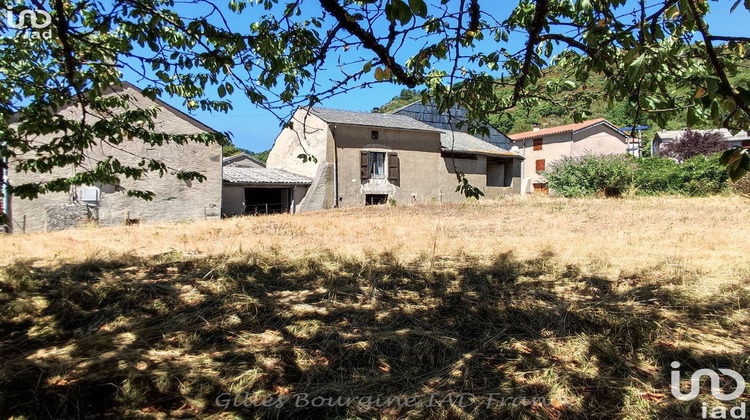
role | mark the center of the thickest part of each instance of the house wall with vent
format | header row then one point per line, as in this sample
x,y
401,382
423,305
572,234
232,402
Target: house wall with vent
x,y
415,155
174,200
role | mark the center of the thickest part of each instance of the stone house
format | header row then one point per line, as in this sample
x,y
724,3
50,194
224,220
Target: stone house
x,y
541,147
175,200
357,158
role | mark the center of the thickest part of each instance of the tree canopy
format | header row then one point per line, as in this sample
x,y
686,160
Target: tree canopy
x,y
660,56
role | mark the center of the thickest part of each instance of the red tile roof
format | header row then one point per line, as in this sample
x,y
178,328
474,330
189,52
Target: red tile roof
x,y
569,128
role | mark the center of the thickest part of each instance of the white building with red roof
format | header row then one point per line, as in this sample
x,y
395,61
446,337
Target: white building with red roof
x,y
541,147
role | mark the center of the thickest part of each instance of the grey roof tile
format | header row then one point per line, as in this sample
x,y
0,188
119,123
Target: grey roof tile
x,y
263,176
466,143
337,116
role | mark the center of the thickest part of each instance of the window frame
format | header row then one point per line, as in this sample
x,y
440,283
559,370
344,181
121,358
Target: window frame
x,y
376,159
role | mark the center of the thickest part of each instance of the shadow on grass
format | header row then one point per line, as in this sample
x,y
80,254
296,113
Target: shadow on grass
x,y
179,337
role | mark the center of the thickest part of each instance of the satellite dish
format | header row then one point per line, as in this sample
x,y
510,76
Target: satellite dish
x,y
514,149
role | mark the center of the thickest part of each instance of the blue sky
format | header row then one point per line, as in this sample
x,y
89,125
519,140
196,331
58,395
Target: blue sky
x,y
255,129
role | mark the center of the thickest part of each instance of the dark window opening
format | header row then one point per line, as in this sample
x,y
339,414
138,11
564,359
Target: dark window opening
x,y
374,134
266,200
375,199
537,144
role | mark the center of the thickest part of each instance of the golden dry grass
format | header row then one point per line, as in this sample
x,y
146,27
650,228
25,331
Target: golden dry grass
x,y
583,303
705,236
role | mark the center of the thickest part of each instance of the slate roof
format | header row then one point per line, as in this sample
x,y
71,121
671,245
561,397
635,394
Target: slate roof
x,y
429,115
402,122
229,159
568,128
263,176
466,143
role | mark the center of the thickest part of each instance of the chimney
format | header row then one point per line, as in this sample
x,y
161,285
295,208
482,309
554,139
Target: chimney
x,y
536,127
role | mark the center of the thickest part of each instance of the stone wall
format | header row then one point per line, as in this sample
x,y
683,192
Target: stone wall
x,y
174,201
67,215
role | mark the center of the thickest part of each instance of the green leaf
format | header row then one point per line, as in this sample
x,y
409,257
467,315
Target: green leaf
x,y
222,91
692,117
727,156
398,10
419,7
367,67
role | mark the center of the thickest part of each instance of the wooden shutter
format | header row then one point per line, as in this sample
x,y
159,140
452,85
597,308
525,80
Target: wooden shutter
x,y
364,164
537,144
394,171
540,165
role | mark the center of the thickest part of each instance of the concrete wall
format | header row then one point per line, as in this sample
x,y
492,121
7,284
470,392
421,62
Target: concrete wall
x,y
475,171
175,200
309,134
495,173
320,195
599,140
232,200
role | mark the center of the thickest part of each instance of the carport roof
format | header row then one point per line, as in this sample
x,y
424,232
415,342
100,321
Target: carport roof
x,y
263,176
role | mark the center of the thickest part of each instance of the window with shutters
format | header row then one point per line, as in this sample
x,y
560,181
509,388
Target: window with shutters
x,y
540,165
537,144
377,165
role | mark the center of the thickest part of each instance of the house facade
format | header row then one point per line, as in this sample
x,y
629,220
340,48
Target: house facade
x,y
105,204
541,147
356,158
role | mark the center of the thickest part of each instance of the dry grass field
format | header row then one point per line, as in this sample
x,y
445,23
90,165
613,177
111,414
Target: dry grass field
x,y
579,306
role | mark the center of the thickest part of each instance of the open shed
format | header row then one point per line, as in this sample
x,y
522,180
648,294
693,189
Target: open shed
x,y
261,191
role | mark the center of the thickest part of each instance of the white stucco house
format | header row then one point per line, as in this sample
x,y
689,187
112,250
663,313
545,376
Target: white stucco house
x,y
542,146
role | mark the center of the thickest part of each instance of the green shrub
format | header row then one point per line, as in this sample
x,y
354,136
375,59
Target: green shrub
x,y
703,175
591,174
613,174
656,175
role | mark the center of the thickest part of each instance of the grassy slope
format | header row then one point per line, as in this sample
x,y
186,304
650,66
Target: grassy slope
x,y
582,302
